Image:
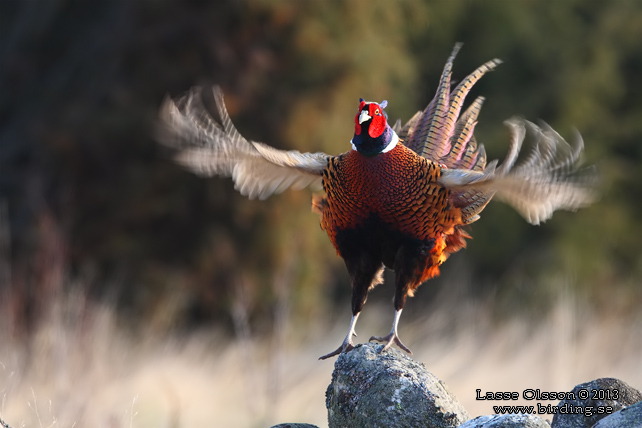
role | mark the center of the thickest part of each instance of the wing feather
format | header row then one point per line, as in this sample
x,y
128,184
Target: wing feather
x,y
549,179
209,147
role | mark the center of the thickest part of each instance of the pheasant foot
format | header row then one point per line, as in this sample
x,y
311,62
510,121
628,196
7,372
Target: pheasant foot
x,y
393,337
347,344
390,339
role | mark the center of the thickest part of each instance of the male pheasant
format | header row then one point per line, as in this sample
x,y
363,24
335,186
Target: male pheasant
x,y
401,197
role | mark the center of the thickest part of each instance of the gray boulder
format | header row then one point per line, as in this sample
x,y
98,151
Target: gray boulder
x,y
295,425
506,421
584,410
627,417
370,389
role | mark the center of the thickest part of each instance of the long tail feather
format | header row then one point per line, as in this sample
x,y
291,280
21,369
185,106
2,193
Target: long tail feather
x,y
438,132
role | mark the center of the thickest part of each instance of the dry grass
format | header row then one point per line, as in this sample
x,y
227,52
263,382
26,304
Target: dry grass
x,y
80,369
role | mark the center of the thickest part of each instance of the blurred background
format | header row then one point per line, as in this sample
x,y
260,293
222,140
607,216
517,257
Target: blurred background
x,y
133,293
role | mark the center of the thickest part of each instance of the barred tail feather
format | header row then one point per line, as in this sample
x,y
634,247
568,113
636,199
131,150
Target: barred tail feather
x,y
463,131
431,134
439,133
457,100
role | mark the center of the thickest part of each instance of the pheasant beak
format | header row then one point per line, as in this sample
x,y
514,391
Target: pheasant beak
x,y
364,116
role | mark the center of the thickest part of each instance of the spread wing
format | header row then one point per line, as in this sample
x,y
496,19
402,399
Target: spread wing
x,y
548,179
211,147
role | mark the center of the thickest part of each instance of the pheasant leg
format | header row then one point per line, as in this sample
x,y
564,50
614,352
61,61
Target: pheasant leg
x,y
393,337
347,344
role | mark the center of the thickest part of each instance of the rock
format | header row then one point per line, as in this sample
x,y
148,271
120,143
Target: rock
x,y
506,421
589,396
370,389
294,426
627,417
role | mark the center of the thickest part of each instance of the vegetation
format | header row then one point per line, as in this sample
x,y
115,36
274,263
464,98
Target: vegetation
x,y
85,187
104,242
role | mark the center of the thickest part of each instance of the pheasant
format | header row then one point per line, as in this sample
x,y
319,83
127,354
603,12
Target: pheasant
x,y
402,196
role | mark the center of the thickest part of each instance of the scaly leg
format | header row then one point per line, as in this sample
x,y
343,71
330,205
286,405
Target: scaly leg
x,y
347,344
393,337
365,273
410,263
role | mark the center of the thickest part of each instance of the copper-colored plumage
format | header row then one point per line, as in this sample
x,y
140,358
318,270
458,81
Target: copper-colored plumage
x,y
402,197
400,189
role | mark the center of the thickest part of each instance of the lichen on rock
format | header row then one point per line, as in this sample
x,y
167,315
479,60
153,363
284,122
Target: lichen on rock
x,y
600,392
506,421
630,416
294,425
372,389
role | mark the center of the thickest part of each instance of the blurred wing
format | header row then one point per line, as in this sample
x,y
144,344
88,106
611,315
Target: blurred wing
x,y
548,179
209,147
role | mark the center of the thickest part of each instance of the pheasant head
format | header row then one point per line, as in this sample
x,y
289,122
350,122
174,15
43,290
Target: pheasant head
x,y
372,134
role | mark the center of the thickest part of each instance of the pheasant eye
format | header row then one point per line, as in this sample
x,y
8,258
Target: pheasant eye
x,y
377,112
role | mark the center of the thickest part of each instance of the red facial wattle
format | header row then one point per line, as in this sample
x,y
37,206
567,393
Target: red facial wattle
x,y
378,123
377,119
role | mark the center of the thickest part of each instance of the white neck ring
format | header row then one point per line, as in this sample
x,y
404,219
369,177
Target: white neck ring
x,y
392,144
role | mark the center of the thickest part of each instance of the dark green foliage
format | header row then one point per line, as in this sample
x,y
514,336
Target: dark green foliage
x,y
81,84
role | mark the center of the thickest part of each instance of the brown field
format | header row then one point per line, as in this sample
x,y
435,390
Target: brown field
x,y
87,371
